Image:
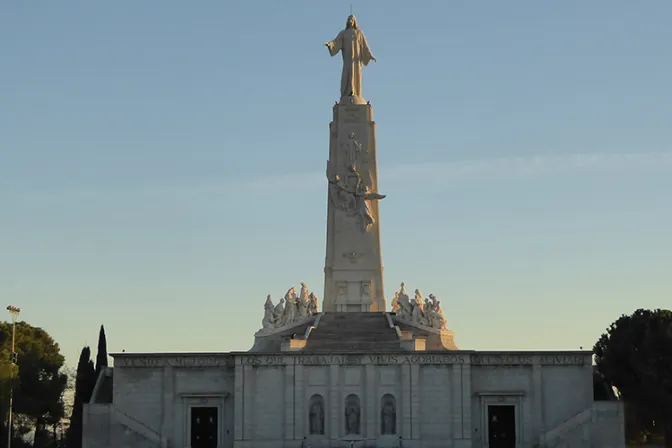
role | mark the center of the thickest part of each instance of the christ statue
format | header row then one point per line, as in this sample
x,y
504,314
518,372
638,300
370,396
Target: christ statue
x,y
355,51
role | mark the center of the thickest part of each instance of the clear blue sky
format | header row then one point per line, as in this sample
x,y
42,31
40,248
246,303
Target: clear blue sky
x,y
162,164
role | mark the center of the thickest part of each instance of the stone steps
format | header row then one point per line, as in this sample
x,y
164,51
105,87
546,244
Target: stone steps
x,y
353,332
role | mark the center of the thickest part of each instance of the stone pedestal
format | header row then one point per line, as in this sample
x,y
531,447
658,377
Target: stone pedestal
x,y
353,273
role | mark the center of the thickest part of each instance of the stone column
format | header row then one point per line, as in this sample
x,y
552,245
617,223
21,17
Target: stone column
x,y
335,399
248,402
167,426
289,402
238,404
405,409
457,408
371,403
353,272
300,403
538,398
466,407
415,400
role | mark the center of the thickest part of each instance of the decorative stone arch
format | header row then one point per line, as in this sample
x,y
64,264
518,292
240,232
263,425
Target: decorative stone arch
x,y
353,413
388,414
316,415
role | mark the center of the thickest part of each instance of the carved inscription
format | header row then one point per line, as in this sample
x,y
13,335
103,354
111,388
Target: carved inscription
x,y
562,359
354,114
312,360
263,360
516,360
503,360
173,361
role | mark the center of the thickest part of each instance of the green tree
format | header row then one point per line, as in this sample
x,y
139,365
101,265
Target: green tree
x,y
38,380
635,356
101,356
84,384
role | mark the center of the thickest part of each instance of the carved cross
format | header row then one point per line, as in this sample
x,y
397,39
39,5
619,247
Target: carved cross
x,y
352,256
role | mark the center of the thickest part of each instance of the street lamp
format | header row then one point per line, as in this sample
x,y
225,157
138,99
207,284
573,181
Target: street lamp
x,y
14,312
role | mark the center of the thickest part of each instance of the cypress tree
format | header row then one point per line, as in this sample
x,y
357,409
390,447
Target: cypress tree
x,y
84,383
101,356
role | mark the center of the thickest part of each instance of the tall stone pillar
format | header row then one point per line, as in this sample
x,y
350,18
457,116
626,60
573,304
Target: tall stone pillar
x,y
353,272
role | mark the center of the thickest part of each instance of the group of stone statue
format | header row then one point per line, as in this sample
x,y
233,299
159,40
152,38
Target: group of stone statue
x,y
291,308
425,312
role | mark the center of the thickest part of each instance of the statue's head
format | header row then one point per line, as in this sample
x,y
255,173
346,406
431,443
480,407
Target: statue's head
x,y
351,23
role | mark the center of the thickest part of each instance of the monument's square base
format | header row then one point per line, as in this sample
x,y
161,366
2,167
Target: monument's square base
x,y
419,399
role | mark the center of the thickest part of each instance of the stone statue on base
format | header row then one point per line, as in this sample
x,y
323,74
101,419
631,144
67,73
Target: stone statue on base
x,y
352,416
355,51
291,306
388,418
316,418
395,303
269,317
278,313
312,304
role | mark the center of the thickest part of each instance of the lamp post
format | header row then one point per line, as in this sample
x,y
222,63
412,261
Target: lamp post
x,y
14,312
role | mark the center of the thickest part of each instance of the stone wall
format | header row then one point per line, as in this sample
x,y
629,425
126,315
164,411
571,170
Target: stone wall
x,y
152,397
440,399
608,429
139,392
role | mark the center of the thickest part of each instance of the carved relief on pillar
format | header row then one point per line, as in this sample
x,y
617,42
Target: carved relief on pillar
x,y
353,256
366,289
418,311
348,192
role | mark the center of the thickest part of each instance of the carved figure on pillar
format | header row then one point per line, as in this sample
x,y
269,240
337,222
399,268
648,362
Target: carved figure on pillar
x,y
365,217
352,196
355,51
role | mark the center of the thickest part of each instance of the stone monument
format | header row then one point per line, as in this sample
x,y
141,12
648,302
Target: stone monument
x,y
351,374
353,272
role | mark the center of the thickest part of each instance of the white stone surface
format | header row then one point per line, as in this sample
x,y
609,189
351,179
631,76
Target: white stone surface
x,y
441,398
353,273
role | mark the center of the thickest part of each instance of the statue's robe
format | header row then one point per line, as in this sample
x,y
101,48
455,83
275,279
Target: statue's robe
x,y
355,51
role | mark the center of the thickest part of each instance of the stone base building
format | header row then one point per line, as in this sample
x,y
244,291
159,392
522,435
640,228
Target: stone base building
x,y
373,385
353,375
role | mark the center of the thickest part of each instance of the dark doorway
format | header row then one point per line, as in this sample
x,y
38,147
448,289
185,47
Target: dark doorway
x,y
502,426
204,424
